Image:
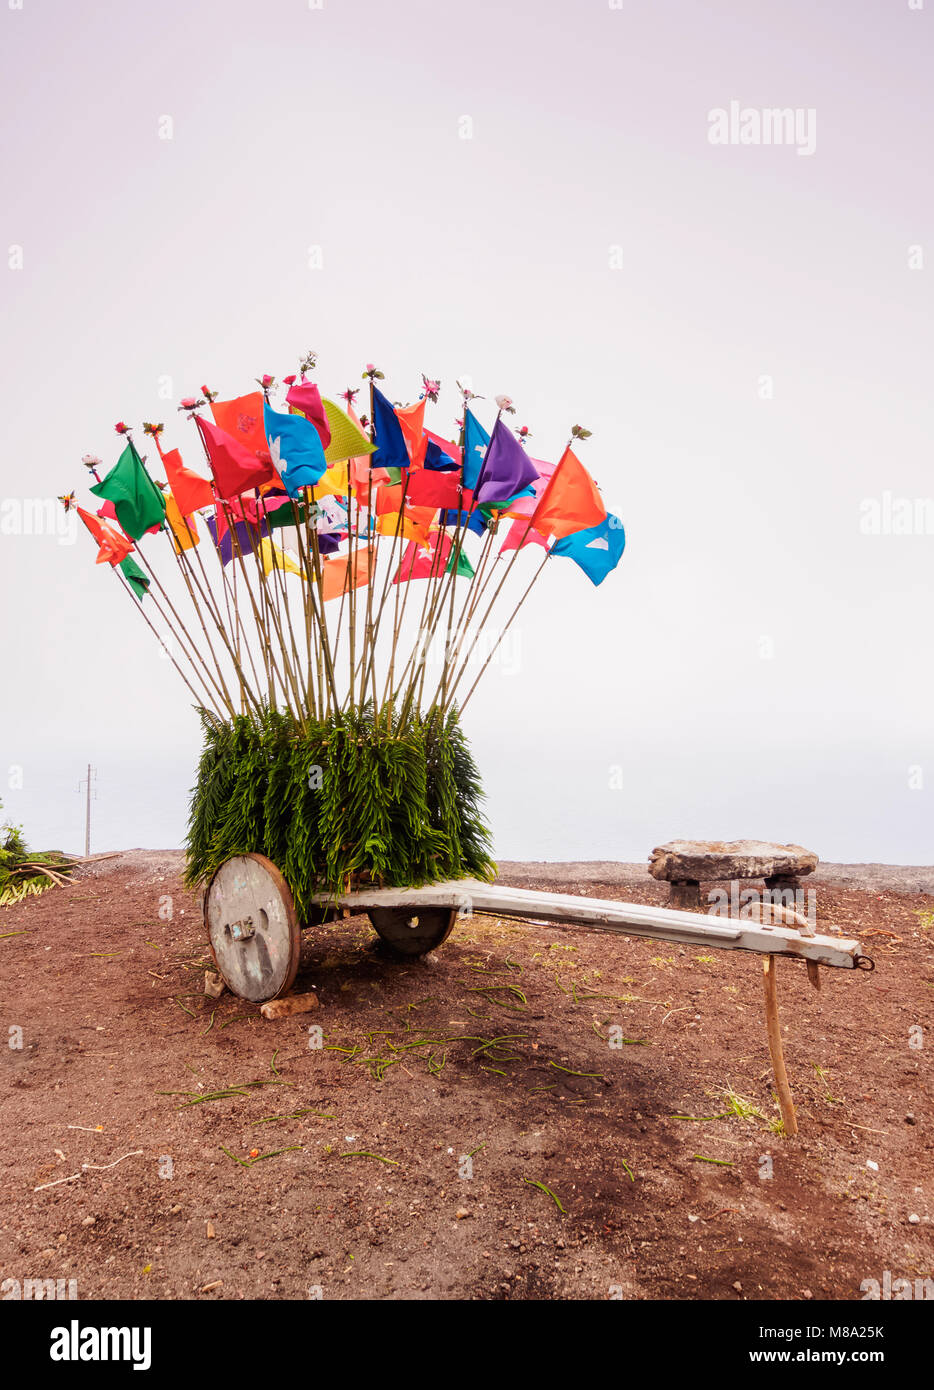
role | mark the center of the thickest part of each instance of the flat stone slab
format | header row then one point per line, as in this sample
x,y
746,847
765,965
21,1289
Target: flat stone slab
x,y
698,861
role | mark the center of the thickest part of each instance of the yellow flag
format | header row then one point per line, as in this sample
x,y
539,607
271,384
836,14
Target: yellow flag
x,y
184,535
409,530
347,441
272,557
334,483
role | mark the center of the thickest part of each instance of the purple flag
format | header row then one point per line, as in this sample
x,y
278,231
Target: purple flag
x,y
243,529
506,469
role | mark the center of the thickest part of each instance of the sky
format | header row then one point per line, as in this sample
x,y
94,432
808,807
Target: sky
x,y
543,199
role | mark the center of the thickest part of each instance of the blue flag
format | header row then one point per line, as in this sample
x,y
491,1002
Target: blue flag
x,y
387,435
296,449
437,460
476,440
474,521
597,550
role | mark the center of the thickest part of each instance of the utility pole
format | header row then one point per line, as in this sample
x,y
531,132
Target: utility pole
x,y
86,782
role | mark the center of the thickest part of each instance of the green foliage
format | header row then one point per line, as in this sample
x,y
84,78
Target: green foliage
x,y
344,801
21,874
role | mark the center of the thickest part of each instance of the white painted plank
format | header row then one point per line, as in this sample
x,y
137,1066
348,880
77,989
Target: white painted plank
x,y
604,914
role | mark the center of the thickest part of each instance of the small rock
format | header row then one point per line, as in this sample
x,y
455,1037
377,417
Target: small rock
x,y
738,1286
870,1163
910,1119
914,1218
89,1221
292,1004
806,1293
461,1213
213,985
210,1232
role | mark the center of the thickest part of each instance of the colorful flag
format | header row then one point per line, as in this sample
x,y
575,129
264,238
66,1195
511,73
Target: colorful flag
x,y
113,546
404,526
506,470
521,533
427,488
134,576
476,440
296,449
412,423
247,537
242,419
305,396
441,453
137,500
190,490
419,563
464,567
108,511
389,499
570,502
184,531
235,468
597,550
330,516
347,438
390,441
525,504
468,516
335,481
272,556
342,572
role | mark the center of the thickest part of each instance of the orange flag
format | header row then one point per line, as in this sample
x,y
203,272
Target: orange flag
x,y
184,531
189,489
570,502
412,420
411,529
343,572
243,419
114,545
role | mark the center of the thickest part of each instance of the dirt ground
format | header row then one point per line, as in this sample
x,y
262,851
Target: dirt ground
x,y
550,1165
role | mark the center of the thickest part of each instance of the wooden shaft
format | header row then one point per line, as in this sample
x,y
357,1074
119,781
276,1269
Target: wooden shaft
x,y
785,1102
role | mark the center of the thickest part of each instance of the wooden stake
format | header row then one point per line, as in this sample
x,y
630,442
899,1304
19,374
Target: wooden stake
x,y
785,1102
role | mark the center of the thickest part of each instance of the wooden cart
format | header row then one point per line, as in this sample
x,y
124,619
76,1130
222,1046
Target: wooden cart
x,y
255,935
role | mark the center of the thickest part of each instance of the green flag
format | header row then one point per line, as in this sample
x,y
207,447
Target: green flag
x,y
137,501
463,564
137,580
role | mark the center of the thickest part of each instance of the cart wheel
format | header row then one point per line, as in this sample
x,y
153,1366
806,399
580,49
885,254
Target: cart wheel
x,y
252,928
410,932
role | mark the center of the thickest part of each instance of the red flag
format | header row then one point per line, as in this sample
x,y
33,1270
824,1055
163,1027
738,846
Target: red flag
x,y
242,419
418,563
305,396
570,502
235,469
114,545
428,488
189,489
